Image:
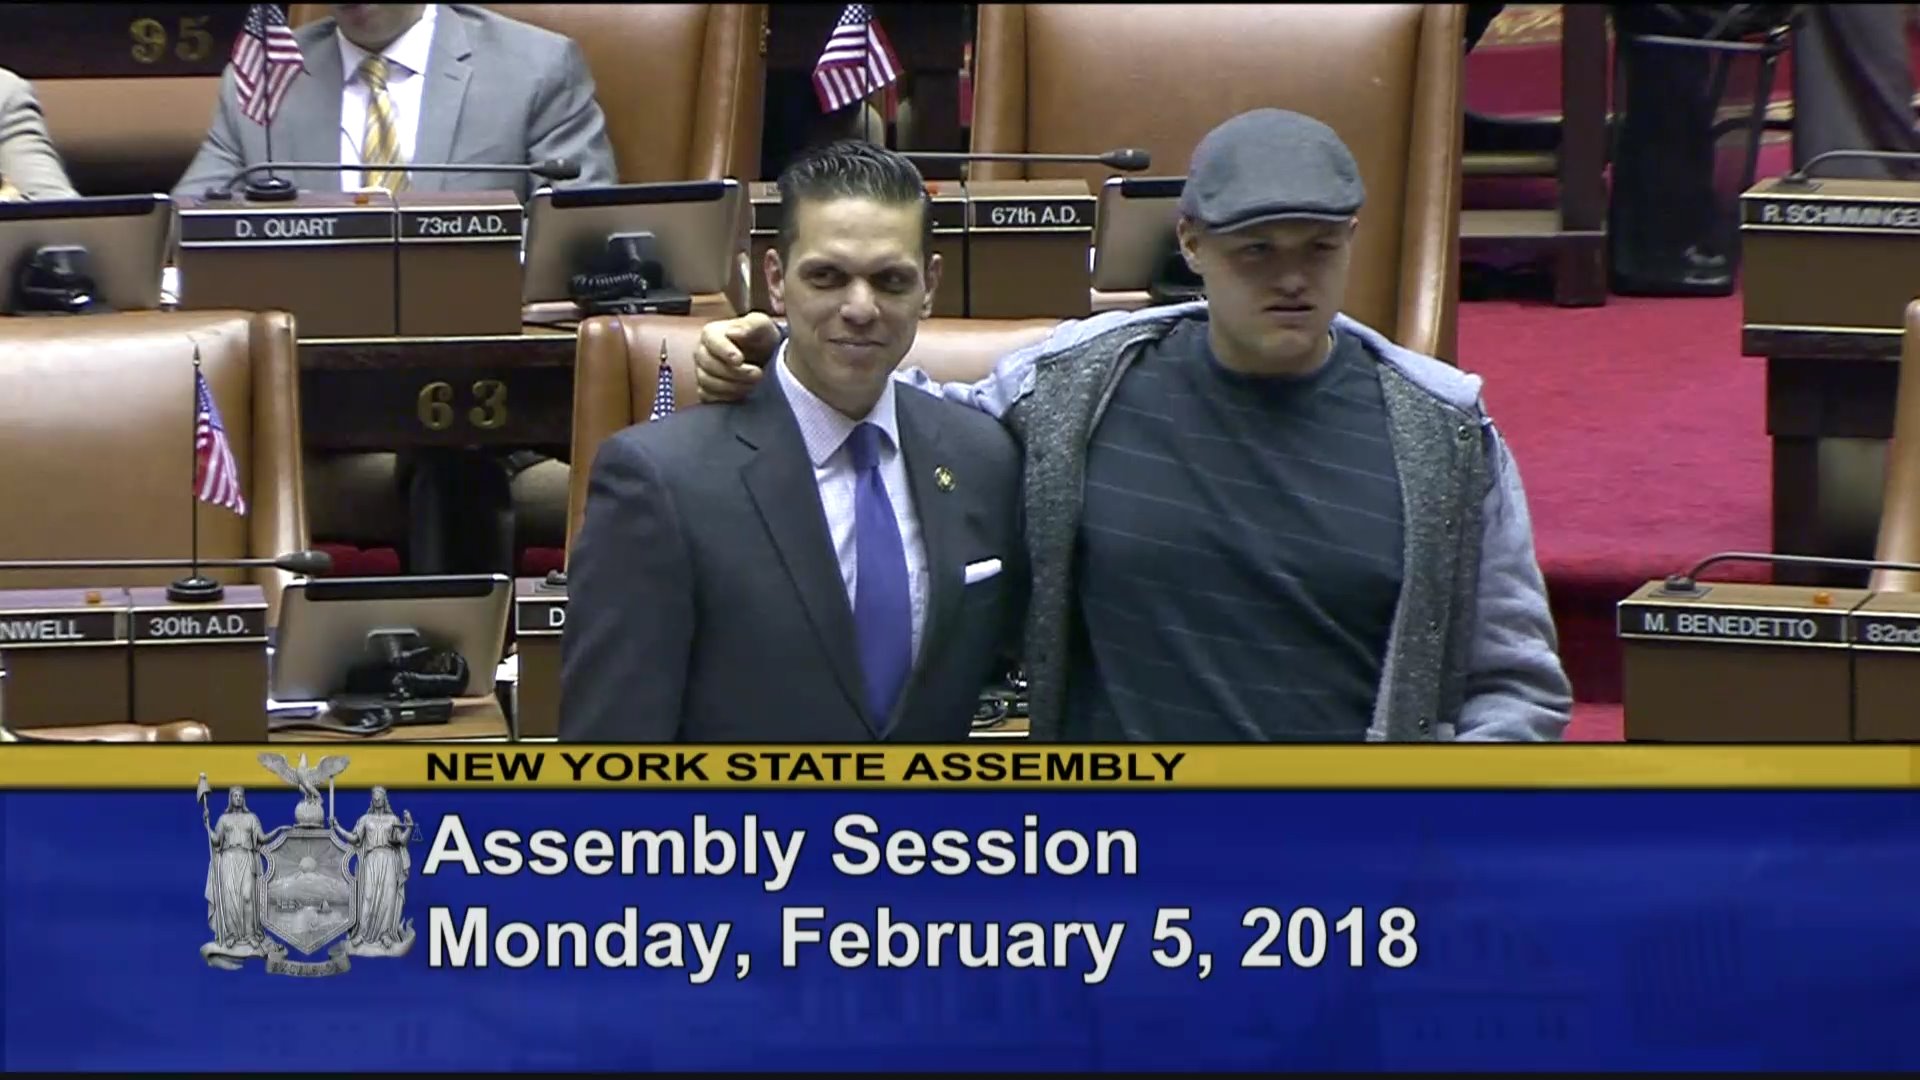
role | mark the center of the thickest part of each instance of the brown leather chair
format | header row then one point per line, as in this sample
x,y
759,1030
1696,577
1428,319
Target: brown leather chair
x,y
127,136
617,370
96,443
682,85
683,88
1070,78
1900,505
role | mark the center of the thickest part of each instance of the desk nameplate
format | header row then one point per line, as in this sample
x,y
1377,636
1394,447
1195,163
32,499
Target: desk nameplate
x,y
462,224
540,616
187,624
1732,624
61,628
299,226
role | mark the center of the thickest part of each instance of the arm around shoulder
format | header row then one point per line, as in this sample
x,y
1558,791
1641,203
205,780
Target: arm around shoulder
x,y
1516,688
629,609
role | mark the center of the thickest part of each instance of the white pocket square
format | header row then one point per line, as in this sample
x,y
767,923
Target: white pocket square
x,y
982,570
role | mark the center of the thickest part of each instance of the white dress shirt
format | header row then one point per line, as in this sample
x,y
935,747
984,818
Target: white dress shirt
x,y
406,85
825,430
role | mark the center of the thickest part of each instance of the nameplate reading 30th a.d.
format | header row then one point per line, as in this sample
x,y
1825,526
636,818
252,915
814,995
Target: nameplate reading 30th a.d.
x,y
200,624
286,227
1784,626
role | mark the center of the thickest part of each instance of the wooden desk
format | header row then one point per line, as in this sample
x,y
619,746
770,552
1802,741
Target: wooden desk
x,y
512,391
474,720
1822,387
398,393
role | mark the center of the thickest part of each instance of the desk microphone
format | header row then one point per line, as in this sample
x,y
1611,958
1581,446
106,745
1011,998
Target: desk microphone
x,y
1127,160
1802,177
306,563
554,169
1686,585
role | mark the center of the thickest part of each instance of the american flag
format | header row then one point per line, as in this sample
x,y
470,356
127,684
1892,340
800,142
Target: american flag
x,y
216,479
266,57
857,61
663,389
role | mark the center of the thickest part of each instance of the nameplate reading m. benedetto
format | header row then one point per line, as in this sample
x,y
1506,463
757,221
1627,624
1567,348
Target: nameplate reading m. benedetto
x,y
317,225
44,629
442,223
540,616
1701,622
184,623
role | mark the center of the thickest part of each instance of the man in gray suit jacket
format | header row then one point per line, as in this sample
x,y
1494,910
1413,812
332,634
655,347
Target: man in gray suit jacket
x,y
832,561
467,85
437,84
29,166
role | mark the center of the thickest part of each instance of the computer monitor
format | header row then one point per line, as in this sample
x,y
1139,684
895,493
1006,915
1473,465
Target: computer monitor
x,y
699,227
126,237
1133,232
325,625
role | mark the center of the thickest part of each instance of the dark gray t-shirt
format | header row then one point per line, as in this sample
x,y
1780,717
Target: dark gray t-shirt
x,y
1240,552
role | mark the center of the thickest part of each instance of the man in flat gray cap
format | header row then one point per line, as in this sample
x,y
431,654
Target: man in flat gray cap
x,y
1252,518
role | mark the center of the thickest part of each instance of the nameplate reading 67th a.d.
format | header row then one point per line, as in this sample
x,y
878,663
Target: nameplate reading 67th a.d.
x,y
1033,214
286,227
204,624
1780,626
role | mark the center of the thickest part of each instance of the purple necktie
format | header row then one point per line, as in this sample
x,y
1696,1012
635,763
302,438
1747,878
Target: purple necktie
x,y
882,605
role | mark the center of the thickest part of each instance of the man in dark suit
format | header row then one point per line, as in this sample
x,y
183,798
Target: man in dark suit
x,y
831,561
391,84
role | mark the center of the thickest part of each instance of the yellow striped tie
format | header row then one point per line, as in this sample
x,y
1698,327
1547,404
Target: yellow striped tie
x,y
381,145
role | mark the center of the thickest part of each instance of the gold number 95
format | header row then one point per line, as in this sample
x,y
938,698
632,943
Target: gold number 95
x,y
150,39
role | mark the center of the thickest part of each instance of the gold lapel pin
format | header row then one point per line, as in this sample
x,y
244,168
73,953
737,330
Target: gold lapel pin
x,y
944,477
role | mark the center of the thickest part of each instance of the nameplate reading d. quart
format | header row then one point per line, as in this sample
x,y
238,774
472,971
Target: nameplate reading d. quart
x,y
1032,214
1783,626
20,629
253,227
1832,214
201,624
454,223
540,618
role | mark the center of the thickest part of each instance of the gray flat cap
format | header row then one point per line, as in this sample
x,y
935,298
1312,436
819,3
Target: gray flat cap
x,y
1271,165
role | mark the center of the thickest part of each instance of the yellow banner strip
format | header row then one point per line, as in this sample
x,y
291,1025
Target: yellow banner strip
x,y
1155,768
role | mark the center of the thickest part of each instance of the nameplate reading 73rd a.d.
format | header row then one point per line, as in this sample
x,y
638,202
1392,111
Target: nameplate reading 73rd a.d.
x,y
461,223
200,624
286,226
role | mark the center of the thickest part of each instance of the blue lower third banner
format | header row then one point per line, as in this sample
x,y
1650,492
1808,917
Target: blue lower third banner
x,y
296,920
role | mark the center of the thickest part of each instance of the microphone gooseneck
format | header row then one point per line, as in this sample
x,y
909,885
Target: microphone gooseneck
x,y
279,190
1686,584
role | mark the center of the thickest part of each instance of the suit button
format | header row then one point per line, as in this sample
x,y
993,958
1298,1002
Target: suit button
x,y
1425,725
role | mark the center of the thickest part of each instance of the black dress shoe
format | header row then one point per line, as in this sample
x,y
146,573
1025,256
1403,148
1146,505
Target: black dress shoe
x,y
1693,273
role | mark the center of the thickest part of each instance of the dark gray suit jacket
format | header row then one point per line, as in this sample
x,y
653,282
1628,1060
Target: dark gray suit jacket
x,y
498,91
705,603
